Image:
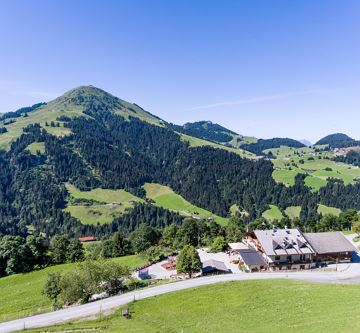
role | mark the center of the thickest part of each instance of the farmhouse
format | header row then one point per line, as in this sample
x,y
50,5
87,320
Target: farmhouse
x,y
282,249
330,247
290,249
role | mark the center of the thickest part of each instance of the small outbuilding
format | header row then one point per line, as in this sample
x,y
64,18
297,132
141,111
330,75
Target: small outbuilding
x,y
252,260
87,239
214,267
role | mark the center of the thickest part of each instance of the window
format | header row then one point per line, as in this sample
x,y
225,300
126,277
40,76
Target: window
x,y
288,258
277,258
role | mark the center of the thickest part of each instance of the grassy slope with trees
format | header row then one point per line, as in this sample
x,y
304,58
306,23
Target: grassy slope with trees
x,y
289,306
318,165
64,105
99,205
21,293
273,213
165,197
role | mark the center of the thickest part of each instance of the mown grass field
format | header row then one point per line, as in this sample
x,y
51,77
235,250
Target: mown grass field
x,y
20,294
165,197
324,210
100,213
271,306
293,211
318,166
36,147
273,213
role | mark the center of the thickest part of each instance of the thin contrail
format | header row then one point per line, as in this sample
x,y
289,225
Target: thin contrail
x,y
255,99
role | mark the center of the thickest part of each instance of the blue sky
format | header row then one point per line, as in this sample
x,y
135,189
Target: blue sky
x,y
265,68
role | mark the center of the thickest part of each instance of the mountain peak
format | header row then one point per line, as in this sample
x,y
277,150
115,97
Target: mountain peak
x,y
86,95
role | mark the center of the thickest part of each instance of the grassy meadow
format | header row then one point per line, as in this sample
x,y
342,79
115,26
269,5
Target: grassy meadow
x,y
196,142
45,113
105,211
272,306
36,147
64,105
165,197
21,293
289,162
273,213
293,211
324,210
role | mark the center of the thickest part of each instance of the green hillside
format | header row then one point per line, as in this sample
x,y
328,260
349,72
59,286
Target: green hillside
x,y
36,147
273,213
271,306
209,131
318,166
21,293
165,197
196,142
104,206
72,104
293,211
328,210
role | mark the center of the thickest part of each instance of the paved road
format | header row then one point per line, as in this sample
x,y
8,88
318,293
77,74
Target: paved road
x,y
350,274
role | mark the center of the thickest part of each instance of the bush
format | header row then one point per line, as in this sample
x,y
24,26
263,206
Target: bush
x,y
219,244
52,288
156,253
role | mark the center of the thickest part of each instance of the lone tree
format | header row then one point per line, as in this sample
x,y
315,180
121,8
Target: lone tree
x,y
52,288
188,261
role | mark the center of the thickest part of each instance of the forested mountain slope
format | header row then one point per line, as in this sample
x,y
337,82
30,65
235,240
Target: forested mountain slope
x,y
91,139
209,131
338,140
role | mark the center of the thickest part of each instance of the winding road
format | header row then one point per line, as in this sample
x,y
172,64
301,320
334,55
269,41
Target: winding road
x,y
350,273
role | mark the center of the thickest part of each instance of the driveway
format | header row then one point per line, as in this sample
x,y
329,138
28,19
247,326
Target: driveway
x,y
349,275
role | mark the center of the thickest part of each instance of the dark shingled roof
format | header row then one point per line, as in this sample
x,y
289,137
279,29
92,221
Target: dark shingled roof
x,y
214,265
251,257
329,242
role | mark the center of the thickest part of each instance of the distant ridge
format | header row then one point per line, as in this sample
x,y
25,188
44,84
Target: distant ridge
x,y
209,131
306,142
336,139
263,144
